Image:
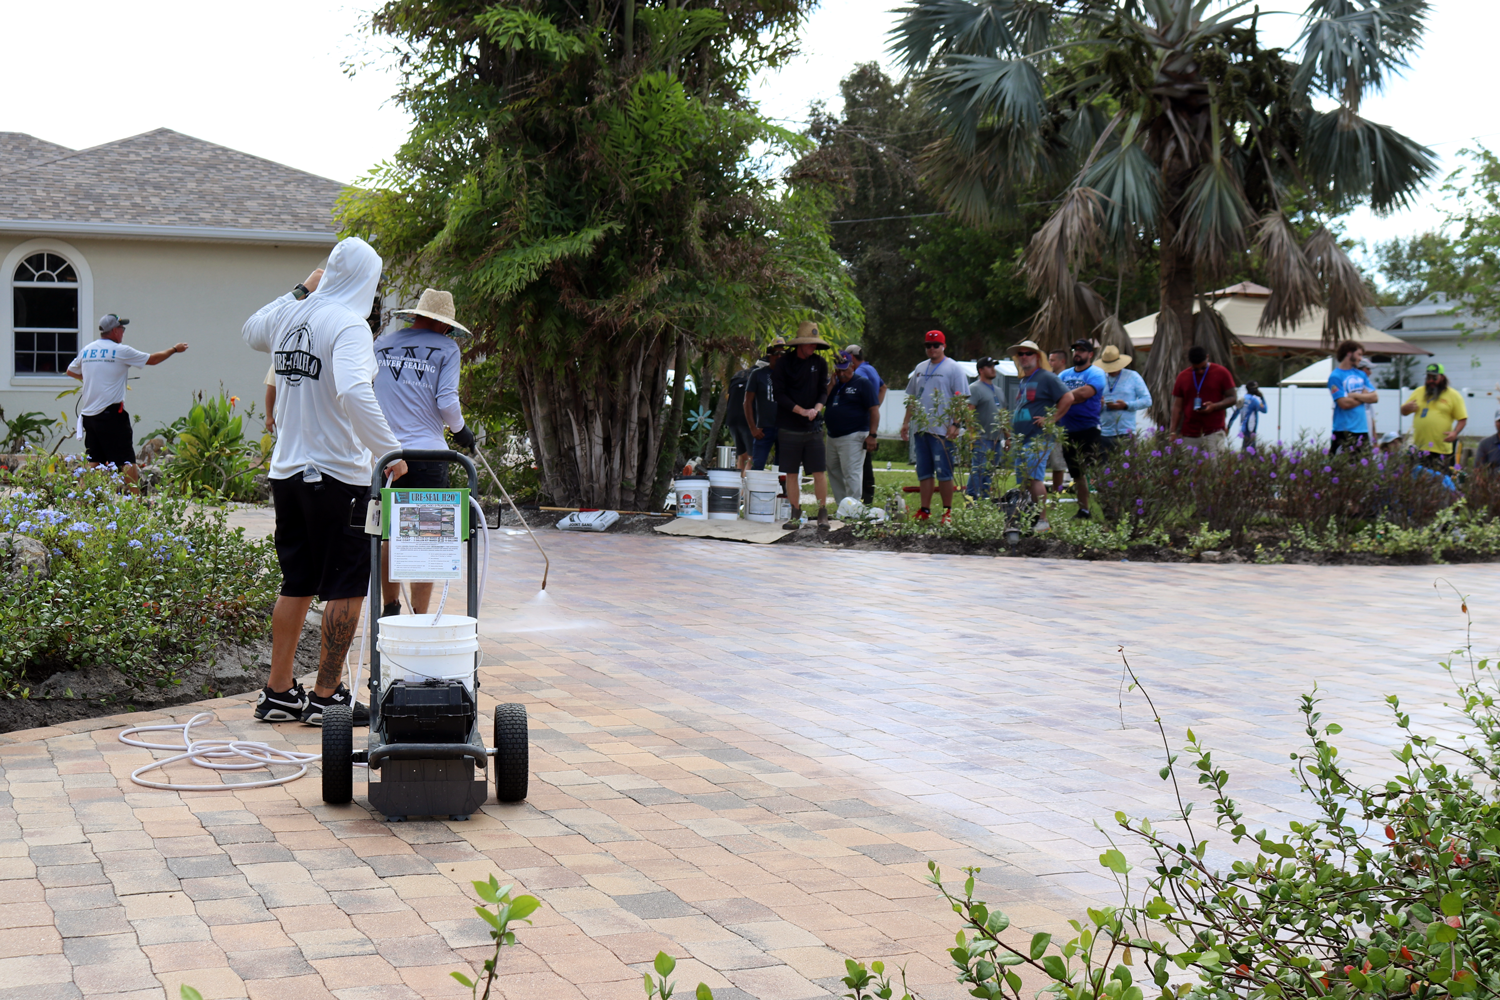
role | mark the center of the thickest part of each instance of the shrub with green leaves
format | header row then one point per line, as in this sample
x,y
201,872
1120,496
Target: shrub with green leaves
x,y
146,587
210,456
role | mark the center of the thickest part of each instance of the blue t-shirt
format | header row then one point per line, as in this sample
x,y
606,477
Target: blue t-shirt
x,y
1340,384
868,371
1084,413
849,406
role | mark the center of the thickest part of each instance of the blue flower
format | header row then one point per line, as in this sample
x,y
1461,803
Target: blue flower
x,y
80,543
25,526
112,526
81,526
135,543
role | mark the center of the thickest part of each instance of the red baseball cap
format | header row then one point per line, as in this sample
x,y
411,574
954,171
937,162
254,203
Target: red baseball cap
x,y
936,337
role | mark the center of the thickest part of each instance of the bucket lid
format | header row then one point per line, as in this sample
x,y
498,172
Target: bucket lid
x,y
425,621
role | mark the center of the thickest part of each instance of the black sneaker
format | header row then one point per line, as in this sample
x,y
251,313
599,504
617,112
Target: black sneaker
x,y
312,715
393,608
284,706
1085,514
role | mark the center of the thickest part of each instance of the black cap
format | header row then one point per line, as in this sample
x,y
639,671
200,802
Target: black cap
x,y
985,362
1083,342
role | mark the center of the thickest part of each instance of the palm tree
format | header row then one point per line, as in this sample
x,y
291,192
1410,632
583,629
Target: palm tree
x,y
1167,124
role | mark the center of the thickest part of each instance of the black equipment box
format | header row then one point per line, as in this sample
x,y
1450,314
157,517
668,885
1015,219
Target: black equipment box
x,y
434,711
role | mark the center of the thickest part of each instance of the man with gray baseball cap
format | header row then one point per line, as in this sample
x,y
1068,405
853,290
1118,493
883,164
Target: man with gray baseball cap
x,y
103,367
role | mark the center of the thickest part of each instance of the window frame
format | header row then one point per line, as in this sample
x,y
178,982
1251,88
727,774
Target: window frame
x,y
46,381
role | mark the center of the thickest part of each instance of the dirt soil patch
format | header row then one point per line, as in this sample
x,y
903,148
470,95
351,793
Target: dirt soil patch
x,y
100,690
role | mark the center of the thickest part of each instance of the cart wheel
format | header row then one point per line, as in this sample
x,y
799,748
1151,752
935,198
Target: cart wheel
x,y
338,754
512,756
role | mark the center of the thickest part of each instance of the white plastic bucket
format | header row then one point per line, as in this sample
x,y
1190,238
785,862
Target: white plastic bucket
x,y
414,649
692,498
760,499
724,489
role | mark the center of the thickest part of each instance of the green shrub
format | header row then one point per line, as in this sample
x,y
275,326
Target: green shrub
x,y
145,587
209,455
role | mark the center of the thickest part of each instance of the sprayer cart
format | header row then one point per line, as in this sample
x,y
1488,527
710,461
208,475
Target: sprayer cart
x,y
426,753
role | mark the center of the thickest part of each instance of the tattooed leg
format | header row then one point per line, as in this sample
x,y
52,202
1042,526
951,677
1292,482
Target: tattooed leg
x,y
340,620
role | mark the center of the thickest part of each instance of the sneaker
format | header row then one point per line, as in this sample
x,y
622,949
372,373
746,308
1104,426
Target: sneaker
x,y
923,513
823,516
393,608
1085,513
281,706
1042,525
947,515
312,715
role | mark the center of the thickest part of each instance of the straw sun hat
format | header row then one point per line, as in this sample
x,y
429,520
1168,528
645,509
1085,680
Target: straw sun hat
x,y
807,333
435,305
1112,360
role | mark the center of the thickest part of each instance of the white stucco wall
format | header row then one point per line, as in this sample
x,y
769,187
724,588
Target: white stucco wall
x,y
198,293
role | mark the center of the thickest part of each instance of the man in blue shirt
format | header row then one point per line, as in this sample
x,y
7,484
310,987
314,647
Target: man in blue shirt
x,y
852,417
1352,393
867,371
1125,395
1081,422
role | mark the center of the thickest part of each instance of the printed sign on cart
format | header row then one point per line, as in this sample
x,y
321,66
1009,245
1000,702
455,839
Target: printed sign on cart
x,y
426,529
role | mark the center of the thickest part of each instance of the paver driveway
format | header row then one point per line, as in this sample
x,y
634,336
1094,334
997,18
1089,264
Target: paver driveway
x,y
742,755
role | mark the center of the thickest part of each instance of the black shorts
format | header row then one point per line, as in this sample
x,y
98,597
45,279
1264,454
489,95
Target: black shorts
x,y
801,449
320,538
1081,449
423,476
107,438
742,439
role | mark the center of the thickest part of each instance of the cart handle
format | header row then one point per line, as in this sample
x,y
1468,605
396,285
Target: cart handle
x,y
427,751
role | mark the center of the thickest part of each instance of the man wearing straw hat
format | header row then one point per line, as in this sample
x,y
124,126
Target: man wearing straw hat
x,y
416,381
1125,395
800,381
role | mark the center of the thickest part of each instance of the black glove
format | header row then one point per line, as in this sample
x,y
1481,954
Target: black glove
x,y
464,438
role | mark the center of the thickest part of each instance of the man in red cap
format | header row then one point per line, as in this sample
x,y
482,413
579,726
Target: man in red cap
x,y
934,384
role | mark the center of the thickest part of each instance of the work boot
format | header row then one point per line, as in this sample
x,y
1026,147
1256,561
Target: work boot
x,y
312,715
792,523
393,608
282,706
823,517
947,515
923,513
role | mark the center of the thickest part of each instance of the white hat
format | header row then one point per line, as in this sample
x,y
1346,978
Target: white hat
x,y
435,305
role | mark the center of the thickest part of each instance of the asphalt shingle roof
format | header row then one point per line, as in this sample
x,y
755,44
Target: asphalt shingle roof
x,y
161,178
18,149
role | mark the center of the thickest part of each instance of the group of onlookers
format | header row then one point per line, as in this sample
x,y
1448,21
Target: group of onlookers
x,y
1068,411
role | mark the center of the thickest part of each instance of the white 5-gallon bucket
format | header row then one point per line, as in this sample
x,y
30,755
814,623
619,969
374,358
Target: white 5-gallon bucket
x,y
724,487
692,498
760,499
414,649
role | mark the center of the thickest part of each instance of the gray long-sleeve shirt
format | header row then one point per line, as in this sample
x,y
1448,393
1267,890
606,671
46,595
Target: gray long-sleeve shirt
x,y
416,383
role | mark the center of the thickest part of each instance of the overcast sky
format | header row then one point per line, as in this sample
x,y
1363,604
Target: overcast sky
x,y
268,79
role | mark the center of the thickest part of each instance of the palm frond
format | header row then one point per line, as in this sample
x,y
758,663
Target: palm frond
x,y
981,186
1053,257
1350,47
1130,185
1216,216
1347,294
1211,332
970,90
932,28
1295,287
1356,158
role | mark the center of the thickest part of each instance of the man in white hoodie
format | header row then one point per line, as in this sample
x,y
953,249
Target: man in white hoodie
x,y
329,423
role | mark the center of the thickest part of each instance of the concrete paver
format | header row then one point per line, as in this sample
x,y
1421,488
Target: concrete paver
x,y
742,755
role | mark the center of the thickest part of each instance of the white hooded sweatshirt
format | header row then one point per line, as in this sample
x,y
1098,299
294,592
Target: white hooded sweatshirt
x,y
323,354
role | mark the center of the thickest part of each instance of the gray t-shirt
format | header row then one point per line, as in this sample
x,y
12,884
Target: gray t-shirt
x,y
1035,395
934,386
987,405
416,382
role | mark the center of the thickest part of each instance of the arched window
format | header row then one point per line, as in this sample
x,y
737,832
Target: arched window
x,y
45,297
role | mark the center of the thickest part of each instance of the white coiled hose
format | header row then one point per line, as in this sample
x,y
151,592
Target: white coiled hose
x,y
249,755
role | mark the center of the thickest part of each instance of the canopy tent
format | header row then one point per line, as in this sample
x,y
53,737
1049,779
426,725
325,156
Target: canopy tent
x,y
1314,376
1241,306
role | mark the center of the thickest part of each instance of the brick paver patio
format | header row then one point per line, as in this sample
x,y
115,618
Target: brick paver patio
x,y
741,755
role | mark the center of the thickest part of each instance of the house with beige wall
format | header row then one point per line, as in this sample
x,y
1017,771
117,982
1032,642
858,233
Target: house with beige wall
x,y
182,237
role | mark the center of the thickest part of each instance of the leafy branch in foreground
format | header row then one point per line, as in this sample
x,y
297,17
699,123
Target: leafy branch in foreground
x,y
506,910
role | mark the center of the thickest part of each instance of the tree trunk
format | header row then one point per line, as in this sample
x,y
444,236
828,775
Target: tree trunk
x,y
1174,322
671,427
594,424
717,427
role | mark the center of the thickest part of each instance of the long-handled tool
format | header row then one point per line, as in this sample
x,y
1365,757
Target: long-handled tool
x,y
546,563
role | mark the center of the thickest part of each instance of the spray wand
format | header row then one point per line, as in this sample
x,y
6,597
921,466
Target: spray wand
x,y
546,563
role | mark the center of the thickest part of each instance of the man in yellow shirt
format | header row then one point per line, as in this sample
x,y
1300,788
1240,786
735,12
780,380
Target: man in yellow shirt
x,y
1440,418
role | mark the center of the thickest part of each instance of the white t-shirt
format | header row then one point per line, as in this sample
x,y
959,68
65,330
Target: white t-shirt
x,y
104,366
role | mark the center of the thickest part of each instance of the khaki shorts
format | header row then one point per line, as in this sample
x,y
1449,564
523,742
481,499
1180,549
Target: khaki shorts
x,y
1215,442
1055,460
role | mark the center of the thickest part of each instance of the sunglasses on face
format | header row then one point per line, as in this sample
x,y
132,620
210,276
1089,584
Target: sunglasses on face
x,y
931,346
1026,354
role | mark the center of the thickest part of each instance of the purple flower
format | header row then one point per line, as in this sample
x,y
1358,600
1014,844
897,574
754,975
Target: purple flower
x,y
1317,496
1273,475
1335,479
1125,465
1293,476
1364,461
1327,468
1156,454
